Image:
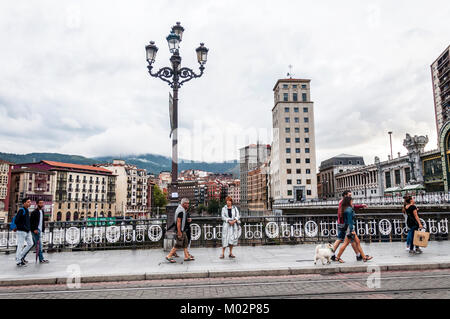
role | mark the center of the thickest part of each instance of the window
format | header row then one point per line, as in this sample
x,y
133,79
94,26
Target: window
x,y
289,181
286,120
306,130
288,139
286,110
294,86
298,171
408,174
397,176
307,140
296,109
297,140
387,176
307,160
308,171
297,120
299,181
305,110
306,150
297,150
294,97
297,130
289,193
297,160
304,97
308,192
306,120
285,86
288,161
287,130
285,97
289,171
303,86
288,150
308,181
358,162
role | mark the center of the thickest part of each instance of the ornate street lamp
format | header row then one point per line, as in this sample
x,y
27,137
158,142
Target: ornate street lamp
x,y
175,76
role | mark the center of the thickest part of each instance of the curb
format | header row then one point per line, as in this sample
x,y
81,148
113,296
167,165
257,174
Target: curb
x,y
222,274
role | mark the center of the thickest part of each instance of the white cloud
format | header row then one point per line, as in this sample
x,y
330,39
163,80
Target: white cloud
x,y
76,70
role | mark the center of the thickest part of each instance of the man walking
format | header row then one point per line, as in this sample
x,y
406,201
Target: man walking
x,y
22,222
341,231
37,228
181,223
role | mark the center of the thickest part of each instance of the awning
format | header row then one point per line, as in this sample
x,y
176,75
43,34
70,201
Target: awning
x,y
393,189
413,187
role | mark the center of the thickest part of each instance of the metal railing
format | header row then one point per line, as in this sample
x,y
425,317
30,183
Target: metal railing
x,y
429,199
207,231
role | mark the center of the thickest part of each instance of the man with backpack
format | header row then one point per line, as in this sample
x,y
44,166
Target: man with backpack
x,y
23,228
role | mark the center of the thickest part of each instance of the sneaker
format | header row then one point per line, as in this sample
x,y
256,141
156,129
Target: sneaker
x,y
24,261
359,258
333,258
44,261
412,252
418,250
21,264
407,248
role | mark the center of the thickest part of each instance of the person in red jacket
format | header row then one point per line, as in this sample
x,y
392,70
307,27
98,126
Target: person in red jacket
x,y
356,244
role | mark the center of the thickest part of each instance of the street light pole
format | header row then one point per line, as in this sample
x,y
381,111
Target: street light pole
x,y
175,77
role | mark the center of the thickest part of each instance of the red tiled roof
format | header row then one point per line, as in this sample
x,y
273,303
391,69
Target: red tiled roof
x,y
5,162
77,166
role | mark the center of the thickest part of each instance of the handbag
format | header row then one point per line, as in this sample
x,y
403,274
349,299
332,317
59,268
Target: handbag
x,y
421,238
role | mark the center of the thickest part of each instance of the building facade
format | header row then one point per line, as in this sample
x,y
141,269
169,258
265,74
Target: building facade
x,y
440,74
258,192
326,178
251,157
5,182
131,188
293,158
234,190
70,191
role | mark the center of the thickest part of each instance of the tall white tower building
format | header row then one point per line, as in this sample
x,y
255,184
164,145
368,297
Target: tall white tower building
x,y
293,160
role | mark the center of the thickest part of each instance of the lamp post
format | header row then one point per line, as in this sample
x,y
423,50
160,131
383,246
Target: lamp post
x,y
175,76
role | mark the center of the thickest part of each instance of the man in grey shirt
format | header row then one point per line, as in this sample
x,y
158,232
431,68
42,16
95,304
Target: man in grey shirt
x,y
181,223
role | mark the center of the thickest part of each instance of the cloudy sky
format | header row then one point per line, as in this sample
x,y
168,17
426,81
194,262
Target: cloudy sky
x,y
73,75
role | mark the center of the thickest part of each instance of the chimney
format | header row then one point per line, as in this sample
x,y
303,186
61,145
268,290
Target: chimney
x,y
389,157
398,154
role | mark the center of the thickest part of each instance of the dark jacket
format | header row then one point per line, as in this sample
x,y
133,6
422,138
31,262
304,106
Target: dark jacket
x,y
34,220
23,220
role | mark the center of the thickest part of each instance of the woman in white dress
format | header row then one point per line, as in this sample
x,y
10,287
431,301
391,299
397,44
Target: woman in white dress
x,y
230,229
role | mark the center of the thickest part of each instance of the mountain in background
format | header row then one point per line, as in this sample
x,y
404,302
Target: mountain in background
x,y
152,163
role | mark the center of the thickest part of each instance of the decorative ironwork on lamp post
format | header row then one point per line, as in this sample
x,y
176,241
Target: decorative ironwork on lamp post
x,y
175,76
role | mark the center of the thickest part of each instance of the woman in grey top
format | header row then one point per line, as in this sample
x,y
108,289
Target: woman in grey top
x,y
230,229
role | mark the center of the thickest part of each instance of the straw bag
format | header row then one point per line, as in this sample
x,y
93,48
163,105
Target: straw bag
x,y
421,238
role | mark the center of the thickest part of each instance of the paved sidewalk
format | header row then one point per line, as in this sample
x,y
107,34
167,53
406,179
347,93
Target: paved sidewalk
x,y
126,265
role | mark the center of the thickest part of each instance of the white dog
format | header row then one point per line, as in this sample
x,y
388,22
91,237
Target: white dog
x,y
323,253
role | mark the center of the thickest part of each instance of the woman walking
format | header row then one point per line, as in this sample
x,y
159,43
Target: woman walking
x,y
350,234
413,222
230,229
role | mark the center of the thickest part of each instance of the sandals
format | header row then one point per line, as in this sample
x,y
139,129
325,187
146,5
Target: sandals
x,y
175,255
232,256
189,258
340,260
221,256
171,260
367,258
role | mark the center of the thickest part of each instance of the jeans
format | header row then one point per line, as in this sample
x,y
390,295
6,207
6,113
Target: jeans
x,y
36,239
410,237
21,251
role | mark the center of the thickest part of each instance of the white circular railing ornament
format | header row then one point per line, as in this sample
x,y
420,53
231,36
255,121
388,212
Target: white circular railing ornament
x,y
196,231
385,227
311,229
155,232
73,236
113,234
272,230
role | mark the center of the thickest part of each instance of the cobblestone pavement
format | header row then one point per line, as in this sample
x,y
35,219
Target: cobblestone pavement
x,y
392,284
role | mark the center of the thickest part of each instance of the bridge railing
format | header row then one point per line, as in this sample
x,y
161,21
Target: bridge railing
x,y
207,231
430,199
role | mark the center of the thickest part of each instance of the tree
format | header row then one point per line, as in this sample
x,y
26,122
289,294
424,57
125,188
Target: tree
x,y
160,197
201,208
213,207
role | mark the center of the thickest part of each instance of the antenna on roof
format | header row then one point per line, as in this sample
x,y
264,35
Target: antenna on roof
x,y
290,74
